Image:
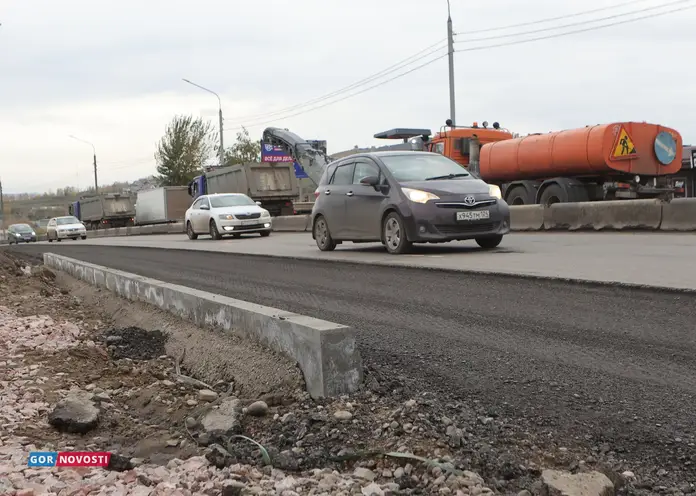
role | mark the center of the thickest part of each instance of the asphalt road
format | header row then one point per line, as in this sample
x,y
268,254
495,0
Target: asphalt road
x,y
604,368
652,259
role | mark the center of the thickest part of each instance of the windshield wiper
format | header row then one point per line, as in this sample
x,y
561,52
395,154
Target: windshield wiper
x,y
448,176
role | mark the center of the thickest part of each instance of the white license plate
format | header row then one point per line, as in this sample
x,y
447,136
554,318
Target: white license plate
x,y
474,215
249,222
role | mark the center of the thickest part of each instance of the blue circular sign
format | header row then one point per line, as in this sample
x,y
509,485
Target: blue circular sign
x,y
665,148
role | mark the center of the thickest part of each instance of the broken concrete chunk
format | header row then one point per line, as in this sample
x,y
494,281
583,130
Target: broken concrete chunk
x,y
75,414
558,483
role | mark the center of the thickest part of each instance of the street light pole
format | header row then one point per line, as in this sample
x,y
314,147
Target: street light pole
x,y
450,49
222,146
96,183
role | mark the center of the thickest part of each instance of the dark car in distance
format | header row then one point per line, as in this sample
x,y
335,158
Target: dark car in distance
x,y
20,233
405,197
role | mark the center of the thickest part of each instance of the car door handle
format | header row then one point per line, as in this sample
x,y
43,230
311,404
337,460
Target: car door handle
x,y
350,193
327,192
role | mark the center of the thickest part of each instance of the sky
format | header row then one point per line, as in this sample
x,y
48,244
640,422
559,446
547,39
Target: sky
x,y
111,73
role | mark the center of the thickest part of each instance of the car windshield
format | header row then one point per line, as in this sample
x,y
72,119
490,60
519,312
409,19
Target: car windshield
x,y
230,201
22,228
422,167
63,221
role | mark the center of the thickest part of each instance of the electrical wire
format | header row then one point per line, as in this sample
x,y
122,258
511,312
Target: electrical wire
x,y
469,49
558,18
398,76
575,31
430,50
580,23
392,68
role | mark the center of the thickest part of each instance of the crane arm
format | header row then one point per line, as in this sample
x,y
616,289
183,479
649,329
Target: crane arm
x,y
312,161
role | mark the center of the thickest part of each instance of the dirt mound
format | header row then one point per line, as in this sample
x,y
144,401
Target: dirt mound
x,y
135,343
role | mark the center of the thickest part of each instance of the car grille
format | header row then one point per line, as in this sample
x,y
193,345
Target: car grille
x,y
460,205
248,216
467,228
245,228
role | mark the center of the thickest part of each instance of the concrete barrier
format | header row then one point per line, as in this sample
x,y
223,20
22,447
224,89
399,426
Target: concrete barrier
x,y
601,215
292,223
679,215
176,228
527,217
326,353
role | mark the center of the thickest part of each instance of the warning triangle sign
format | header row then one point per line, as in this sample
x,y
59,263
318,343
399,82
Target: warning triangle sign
x,y
623,146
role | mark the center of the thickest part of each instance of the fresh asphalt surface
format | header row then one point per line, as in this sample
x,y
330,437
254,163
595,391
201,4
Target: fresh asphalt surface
x,y
592,366
655,259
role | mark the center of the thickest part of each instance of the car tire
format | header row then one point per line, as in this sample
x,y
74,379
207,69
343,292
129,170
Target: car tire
x,y
394,235
58,239
83,237
189,231
236,236
265,234
489,242
214,233
322,235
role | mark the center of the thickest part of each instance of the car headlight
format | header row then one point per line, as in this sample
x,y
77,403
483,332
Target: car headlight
x,y
33,233
495,192
226,217
265,213
418,196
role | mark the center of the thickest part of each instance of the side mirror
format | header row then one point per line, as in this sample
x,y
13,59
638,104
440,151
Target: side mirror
x,y
258,203
370,181
205,207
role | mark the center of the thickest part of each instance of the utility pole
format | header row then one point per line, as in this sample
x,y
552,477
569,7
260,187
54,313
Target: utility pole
x,y
222,144
94,151
450,48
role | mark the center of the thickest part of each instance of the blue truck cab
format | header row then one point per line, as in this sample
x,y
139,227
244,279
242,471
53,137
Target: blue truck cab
x,y
74,209
197,187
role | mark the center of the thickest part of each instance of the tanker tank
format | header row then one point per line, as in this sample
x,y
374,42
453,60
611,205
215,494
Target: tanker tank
x,y
608,150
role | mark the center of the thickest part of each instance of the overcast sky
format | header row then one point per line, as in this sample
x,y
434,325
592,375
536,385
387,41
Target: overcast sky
x,y
110,73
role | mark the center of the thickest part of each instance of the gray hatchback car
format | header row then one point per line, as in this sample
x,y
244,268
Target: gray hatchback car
x,y
405,197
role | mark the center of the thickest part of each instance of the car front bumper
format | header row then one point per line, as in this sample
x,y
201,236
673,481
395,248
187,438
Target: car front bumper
x,y
71,234
430,223
22,239
245,226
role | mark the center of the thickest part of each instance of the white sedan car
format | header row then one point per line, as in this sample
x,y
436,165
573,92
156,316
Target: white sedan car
x,y
65,227
226,214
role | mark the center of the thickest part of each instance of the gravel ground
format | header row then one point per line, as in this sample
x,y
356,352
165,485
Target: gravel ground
x,y
55,351
535,374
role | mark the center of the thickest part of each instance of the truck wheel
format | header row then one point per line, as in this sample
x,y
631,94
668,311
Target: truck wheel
x,y
214,233
519,196
189,231
553,194
83,237
322,235
489,242
394,235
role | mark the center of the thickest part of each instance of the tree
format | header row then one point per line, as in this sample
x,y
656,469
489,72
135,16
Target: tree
x,y
183,150
244,150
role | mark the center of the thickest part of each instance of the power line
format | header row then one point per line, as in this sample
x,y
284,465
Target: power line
x,y
484,47
579,23
575,31
418,67
426,52
558,18
392,68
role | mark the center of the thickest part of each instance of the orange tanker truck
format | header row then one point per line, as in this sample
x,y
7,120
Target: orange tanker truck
x,y
621,160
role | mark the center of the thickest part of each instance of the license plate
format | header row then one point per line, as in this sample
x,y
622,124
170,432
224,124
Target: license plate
x,y
249,222
474,215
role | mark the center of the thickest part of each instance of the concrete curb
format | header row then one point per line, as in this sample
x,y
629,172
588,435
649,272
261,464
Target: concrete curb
x,y
326,353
